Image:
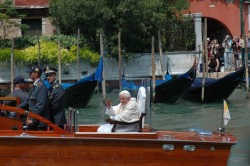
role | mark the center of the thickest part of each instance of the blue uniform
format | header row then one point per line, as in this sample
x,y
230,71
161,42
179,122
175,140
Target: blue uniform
x,y
38,103
56,104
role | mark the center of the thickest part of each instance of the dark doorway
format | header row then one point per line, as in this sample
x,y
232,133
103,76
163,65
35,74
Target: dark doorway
x,y
35,26
216,30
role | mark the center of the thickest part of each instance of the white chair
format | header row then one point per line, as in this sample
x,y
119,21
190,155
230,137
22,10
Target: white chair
x,y
137,125
141,101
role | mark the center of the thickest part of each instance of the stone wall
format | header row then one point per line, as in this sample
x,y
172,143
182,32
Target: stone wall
x,y
47,27
10,32
140,66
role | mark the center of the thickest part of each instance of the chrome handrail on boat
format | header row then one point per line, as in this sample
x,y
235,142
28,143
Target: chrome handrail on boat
x,y
147,83
73,124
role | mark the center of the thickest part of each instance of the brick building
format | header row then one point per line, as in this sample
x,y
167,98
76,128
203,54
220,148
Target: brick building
x,y
223,16
37,17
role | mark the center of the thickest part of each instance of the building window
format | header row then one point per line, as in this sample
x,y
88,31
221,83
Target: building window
x,y
35,26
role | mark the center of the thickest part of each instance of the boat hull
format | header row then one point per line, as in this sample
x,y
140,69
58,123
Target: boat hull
x,y
215,90
83,145
170,91
79,95
109,151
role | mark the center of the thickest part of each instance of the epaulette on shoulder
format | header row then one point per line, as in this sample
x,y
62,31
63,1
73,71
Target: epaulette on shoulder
x,y
56,86
39,84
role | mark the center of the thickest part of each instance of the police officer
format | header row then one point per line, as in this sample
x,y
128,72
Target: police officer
x,y
37,101
19,86
56,98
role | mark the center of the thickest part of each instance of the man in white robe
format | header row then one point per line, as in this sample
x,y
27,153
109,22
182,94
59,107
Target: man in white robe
x,y
127,111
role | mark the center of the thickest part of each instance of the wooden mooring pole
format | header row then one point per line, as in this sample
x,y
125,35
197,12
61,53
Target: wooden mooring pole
x,y
153,62
120,59
103,76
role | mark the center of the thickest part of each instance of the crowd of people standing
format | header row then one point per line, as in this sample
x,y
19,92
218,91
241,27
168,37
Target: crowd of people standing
x,y
227,56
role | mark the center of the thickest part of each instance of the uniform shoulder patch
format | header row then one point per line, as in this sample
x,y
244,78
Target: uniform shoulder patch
x,y
39,84
56,86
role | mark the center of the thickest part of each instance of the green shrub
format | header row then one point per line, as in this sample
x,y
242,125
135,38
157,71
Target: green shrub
x,y
5,55
27,50
86,53
49,53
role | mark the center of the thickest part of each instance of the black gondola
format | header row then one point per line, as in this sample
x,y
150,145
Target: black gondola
x,y
171,90
79,94
215,90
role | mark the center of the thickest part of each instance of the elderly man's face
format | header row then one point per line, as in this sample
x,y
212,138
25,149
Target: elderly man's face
x,y
123,99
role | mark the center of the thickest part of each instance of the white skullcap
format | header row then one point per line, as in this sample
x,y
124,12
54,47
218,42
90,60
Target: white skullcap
x,y
125,93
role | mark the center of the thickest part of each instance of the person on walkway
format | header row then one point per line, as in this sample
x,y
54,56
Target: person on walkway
x,y
37,101
236,47
227,44
209,47
215,48
213,64
242,46
56,98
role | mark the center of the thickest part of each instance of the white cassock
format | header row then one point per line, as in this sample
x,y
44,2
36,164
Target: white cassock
x,y
124,113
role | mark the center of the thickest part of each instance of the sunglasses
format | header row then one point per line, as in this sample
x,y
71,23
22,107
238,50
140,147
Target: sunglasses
x,y
49,74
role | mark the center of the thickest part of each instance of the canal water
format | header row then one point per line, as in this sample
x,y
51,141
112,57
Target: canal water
x,y
184,114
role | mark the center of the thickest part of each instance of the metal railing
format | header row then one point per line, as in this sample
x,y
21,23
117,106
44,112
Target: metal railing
x,y
73,125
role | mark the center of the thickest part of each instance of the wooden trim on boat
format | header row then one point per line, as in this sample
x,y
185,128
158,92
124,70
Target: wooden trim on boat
x,y
10,124
11,98
54,127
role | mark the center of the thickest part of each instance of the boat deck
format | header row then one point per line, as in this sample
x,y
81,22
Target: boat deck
x,y
89,131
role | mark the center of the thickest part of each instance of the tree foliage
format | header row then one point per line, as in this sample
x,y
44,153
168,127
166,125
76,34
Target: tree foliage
x,y
137,20
88,15
7,13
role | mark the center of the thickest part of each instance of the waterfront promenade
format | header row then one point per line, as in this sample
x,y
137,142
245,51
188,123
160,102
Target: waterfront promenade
x,y
215,75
